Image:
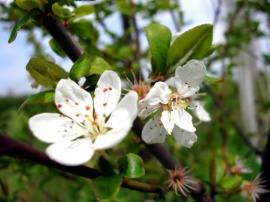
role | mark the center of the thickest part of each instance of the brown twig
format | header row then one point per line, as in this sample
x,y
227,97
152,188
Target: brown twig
x,y
14,148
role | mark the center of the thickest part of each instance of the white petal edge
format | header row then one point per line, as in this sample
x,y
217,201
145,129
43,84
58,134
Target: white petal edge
x,y
72,100
52,127
107,93
184,138
71,153
153,131
159,93
167,120
189,77
183,119
200,111
120,122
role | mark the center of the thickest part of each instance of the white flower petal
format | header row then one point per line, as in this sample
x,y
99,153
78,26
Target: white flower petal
x,y
145,109
71,153
167,120
120,122
200,111
189,77
72,100
107,93
52,127
153,131
183,137
159,93
183,119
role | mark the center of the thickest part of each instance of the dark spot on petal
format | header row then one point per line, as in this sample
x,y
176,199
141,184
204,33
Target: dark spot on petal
x,y
66,100
105,90
87,107
59,106
105,104
76,103
110,88
77,115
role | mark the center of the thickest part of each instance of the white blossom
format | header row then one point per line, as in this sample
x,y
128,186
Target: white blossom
x,y
171,106
82,127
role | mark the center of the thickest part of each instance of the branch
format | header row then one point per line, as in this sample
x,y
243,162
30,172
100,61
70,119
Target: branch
x,y
158,150
14,148
61,34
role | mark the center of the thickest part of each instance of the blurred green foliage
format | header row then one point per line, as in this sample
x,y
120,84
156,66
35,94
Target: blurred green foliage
x,y
218,143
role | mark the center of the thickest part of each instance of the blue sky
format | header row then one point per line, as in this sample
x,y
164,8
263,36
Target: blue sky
x,y
14,79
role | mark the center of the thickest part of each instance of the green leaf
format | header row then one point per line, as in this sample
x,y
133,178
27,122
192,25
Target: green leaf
x,y
212,169
88,65
61,12
57,48
106,187
44,97
45,73
82,11
192,44
124,7
159,38
29,4
213,80
231,183
131,166
83,28
221,169
36,17
18,26
105,165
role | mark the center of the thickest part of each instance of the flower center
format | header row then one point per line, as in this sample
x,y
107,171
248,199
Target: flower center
x,y
175,99
95,126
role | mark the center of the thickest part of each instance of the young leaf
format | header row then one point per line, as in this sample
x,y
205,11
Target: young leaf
x,y
131,166
159,38
29,4
232,182
213,80
192,44
106,187
88,65
83,28
57,48
18,26
124,7
45,73
44,97
82,11
61,12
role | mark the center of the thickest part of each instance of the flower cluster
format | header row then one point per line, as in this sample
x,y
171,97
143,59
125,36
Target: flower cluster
x,y
170,106
83,127
87,124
